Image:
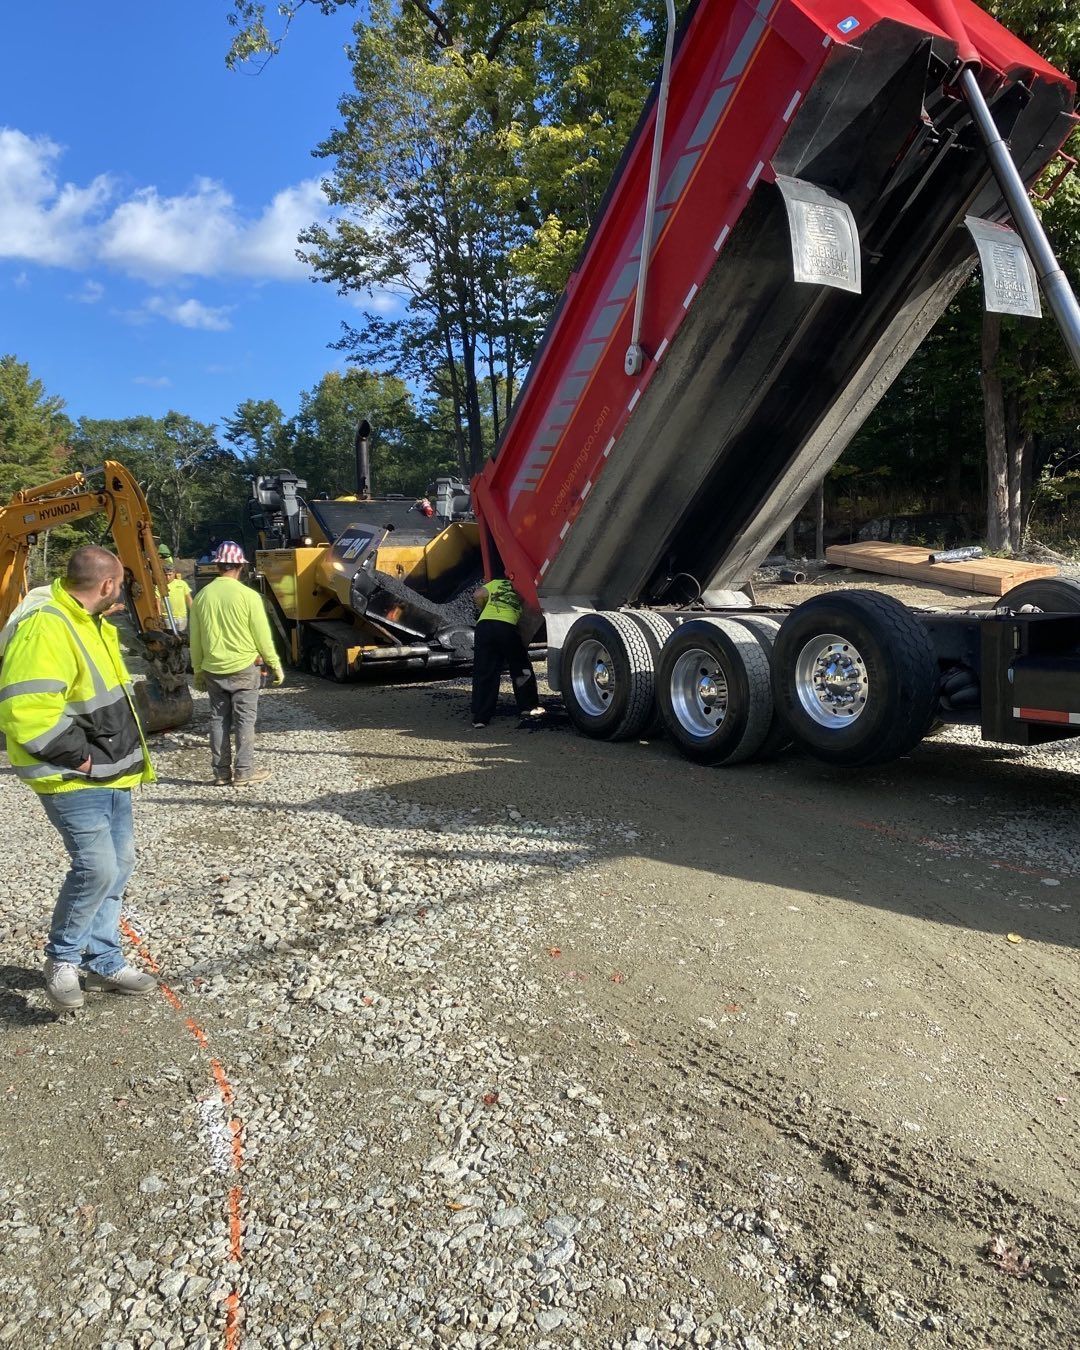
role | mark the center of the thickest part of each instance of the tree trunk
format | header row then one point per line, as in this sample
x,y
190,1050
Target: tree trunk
x,y
819,522
997,468
1015,447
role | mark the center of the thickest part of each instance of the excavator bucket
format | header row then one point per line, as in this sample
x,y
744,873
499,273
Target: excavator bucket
x,y
162,709
163,698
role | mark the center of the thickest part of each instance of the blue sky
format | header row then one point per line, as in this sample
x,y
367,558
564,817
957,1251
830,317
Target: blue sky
x,y
149,202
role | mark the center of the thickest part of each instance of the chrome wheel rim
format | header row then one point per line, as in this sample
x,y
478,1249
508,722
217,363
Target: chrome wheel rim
x,y
831,681
592,675
699,692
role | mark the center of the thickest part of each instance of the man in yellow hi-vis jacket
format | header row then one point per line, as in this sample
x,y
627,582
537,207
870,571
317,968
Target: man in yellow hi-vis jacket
x,y
74,737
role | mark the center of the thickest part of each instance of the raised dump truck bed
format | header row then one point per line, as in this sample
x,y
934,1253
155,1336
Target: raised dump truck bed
x,y
607,486
821,179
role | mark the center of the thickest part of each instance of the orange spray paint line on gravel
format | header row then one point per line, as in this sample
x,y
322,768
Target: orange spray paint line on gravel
x,y
234,1312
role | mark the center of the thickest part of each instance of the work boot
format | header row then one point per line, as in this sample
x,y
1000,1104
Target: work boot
x,y
126,980
223,779
62,985
247,779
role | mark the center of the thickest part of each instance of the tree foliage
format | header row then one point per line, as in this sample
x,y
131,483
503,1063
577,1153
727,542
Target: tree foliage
x,y
470,162
33,429
178,462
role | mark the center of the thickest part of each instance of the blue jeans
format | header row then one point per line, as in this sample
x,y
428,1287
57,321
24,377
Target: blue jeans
x,y
96,827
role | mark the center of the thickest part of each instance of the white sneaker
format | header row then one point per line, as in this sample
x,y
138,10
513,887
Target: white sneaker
x,y
62,987
126,980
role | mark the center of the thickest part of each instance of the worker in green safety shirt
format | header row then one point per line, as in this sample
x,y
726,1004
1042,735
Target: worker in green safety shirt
x,y
179,593
498,645
231,643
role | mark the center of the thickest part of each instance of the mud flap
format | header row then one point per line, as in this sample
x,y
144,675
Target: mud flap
x,y
824,238
1009,282
162,709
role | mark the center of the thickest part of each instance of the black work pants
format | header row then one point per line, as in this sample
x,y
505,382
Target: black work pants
x,y
498,645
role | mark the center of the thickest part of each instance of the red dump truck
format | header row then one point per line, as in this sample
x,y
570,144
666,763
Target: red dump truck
x,y
809,186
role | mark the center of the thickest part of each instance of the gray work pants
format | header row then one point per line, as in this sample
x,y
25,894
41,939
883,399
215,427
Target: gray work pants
x,y
234,704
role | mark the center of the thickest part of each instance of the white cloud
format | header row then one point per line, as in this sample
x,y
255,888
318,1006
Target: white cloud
x,y
90,294
190,313
21,281
268,248
201,232
41,219
153,381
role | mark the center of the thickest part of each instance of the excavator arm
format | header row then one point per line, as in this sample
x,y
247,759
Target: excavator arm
x,y
163,698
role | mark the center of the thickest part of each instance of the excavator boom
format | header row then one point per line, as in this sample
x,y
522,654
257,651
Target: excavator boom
x,y
163,699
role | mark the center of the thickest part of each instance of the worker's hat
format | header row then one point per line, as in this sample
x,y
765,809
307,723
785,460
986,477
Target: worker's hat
x,y
229,552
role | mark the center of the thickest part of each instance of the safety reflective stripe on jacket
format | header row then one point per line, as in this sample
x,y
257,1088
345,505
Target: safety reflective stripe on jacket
x,y
65,696
503,602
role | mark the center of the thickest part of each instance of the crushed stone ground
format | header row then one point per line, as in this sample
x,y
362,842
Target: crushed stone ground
x,y
539,1042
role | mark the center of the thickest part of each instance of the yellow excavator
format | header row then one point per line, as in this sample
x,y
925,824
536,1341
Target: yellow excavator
x,y
163,697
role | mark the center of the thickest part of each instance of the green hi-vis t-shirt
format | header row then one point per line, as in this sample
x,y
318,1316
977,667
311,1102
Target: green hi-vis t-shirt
x,y
503,602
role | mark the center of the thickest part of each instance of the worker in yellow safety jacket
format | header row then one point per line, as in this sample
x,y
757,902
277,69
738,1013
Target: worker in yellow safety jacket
x,y
179,595
73,736
231,645
498,644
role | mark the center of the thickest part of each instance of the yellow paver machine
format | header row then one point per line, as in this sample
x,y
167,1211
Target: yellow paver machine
x,y
359,582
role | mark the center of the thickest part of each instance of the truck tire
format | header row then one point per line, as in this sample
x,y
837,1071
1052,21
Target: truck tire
x,y
714,691
765,629
606,673
1053,595
657,630
855,677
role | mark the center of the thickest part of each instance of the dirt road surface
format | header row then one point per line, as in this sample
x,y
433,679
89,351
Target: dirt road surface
x,y
510,1037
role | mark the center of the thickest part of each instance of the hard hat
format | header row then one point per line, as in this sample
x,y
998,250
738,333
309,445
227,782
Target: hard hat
x,y
229,552
164,551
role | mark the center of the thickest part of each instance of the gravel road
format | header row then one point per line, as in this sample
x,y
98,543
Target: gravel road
x,y
472,1039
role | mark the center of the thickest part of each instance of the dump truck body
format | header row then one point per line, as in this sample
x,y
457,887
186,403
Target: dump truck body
x,y
816,184
611,489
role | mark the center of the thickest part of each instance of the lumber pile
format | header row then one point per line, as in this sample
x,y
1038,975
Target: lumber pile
x,y
988,576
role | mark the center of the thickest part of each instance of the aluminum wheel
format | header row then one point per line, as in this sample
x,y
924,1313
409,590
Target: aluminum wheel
x,y
699,692
831,681
593,676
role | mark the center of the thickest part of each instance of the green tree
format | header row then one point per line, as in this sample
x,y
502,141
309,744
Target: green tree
x,y
188,478
322,436
466,175
258,432
33,430
1031,389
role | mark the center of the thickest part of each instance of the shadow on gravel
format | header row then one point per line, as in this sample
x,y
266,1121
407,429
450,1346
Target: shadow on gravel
x,y
15,1008
971,836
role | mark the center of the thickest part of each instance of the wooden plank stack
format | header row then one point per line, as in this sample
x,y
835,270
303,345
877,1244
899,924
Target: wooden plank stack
x,y
988,576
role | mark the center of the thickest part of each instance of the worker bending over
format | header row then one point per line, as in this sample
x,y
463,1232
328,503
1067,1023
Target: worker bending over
x,y
74,737
230,635
497,645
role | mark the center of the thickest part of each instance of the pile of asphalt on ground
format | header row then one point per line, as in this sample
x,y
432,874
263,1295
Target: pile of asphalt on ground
x,y
360,1116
